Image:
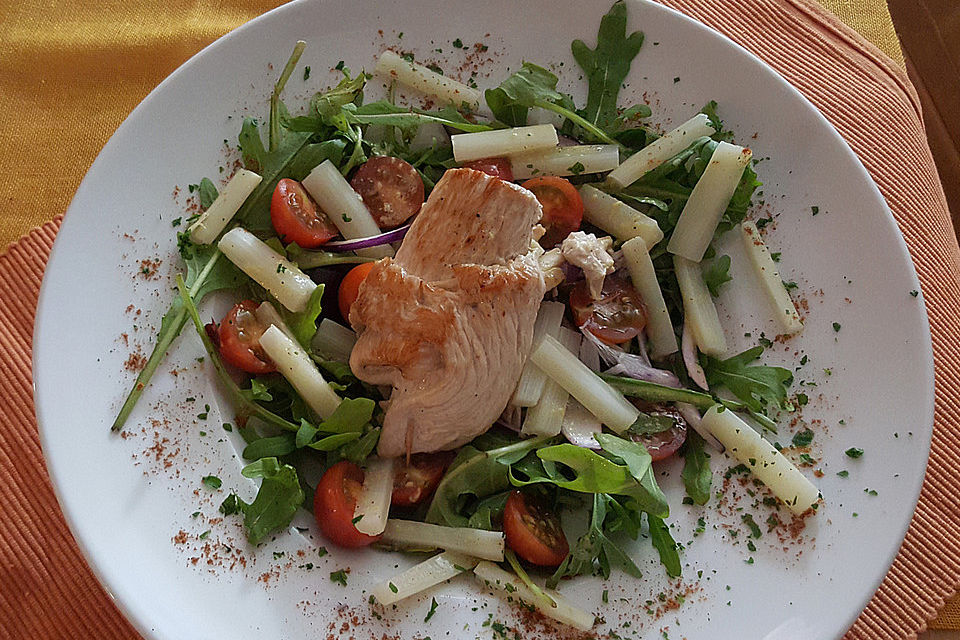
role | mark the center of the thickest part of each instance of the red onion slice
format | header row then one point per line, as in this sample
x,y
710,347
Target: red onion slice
x,y
579,425
689,349
631,365
393,235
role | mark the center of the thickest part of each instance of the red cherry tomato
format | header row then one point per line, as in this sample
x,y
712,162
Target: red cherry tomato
x,y
562,207
532,532
416,480
616,317
334,502
296,218
390,187
664,444
496,167
350,287
239,338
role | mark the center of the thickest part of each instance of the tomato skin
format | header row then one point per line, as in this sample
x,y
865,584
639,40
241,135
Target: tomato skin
x,y
350,287
532,532
415,481
617,316
239,339
296,218
334,502
496,167
562,207
391,188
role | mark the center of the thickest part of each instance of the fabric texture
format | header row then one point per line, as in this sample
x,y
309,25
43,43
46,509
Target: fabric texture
x,y
73,77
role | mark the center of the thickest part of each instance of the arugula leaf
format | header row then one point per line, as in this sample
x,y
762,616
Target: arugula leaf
x,y
489,511
710,110
636,112
358,450
272,447
511,101
633,454
304,324
474,474
717,274
696,474
408,120
351,416
207,193
607,66
650,423
595,548
665,545
591,472
756,386
337,440
277,500
206,273
534,86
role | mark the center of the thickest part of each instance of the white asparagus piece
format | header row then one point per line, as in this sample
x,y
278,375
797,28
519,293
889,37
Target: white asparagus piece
x,y
282,278
708,200
424,575
333,341
764,461
503,142
300,371
618,218
546,417
532,379
563,161
785,312
566,369
373,503
562,611
416,76
212,221
344,207
660,150
661,338
268,315
698,308
479,543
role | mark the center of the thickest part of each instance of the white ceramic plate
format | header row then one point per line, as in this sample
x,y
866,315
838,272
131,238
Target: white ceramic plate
x,y
132,502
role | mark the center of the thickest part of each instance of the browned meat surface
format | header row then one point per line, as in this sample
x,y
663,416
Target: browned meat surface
x,y
448,323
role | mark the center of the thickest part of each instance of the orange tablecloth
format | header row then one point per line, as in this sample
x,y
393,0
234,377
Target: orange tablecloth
x,y
71,72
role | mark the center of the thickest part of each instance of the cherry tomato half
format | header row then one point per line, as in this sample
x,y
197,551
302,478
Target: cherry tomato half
x,y
350,287
532,532
664,444
391,188
296,218
496,167
562,207
616,317
334,503
239,338
415,481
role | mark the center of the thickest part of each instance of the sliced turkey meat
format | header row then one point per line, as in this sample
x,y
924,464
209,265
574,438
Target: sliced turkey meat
x,y
448,323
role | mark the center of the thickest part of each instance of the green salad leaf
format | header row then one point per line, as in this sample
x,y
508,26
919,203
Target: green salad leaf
x,y
278,499
206,193
607,66
717,274
755,385
407,119
665,545
697,476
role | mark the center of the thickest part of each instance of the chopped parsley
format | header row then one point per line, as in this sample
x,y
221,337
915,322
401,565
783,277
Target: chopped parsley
x,y
836,326
854,452
803,438
433,608
306,73
340,577
843,474
212,481
576,169
815,210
